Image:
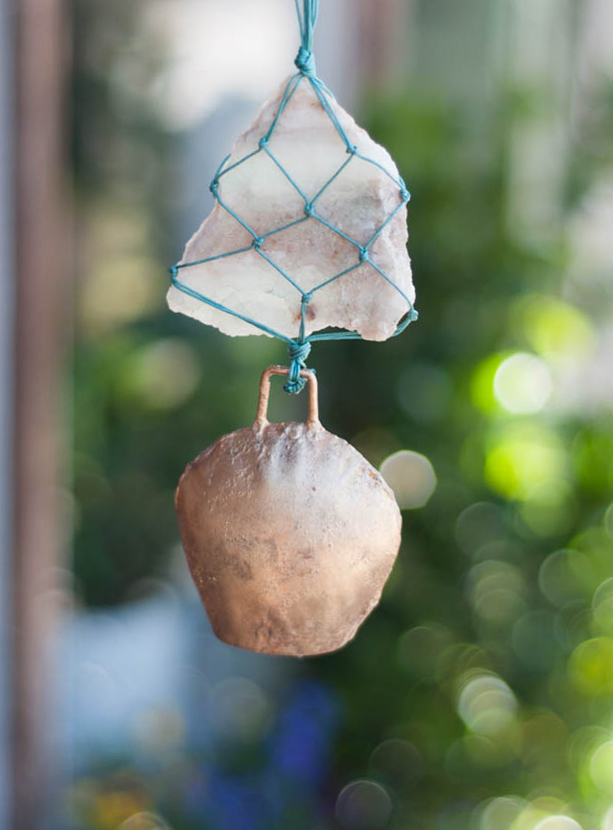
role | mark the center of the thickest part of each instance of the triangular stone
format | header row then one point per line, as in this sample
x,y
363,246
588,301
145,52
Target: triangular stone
x,y
358,202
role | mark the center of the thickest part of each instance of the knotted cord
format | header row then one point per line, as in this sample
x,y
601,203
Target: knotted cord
x,y
300,347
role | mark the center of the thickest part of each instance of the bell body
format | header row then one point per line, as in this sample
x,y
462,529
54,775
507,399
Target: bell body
x,y
290,535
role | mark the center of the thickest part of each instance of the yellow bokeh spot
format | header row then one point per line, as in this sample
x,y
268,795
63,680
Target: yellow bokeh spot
x,y
482,382
527,462
537,811
591,666
119,290
554,328
113,808
601,767
523,384
163,374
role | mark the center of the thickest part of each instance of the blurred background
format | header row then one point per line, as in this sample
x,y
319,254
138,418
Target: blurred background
x,y
479,695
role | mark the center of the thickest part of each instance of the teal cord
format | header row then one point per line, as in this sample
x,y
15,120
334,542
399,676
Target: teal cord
x,y
300,348
307,20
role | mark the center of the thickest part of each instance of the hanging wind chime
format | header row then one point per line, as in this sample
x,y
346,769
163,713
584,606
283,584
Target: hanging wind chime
x,y
290,534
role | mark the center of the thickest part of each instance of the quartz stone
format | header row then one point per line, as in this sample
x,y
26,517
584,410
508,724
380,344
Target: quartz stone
x,y
357,202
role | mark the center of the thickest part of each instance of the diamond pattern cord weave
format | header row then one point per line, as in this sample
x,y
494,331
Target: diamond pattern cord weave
x,y
300,346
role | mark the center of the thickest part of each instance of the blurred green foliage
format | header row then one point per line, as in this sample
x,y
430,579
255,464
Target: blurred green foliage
x,y
480,692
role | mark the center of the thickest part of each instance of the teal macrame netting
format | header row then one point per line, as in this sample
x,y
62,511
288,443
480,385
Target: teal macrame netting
x,y
300,347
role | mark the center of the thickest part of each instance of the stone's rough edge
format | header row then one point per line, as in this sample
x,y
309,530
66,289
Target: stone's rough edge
x,y
176,299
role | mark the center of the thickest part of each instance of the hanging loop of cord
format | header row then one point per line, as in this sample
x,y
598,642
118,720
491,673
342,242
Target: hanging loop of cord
x,y
307,19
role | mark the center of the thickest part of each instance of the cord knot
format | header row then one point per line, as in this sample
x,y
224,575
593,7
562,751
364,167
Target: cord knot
x,y
305,61
214,187
364,254
257,243
298,354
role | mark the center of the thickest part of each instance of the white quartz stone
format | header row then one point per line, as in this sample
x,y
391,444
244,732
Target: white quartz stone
x,y
357,202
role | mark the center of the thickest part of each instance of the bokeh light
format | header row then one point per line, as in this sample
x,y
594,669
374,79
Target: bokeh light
x,y
159,730
607,820
486,703
412,478
478,527
119,291
397,763
144,821
591,666
602,605
241,709
558,823
601,767
163,374
363,805
496,591
421,648
523,384
499,813
528,462
554,328
564,577
537,810
482,382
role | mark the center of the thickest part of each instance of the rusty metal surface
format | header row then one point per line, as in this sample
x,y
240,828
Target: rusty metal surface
x,y
262,410
290,534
